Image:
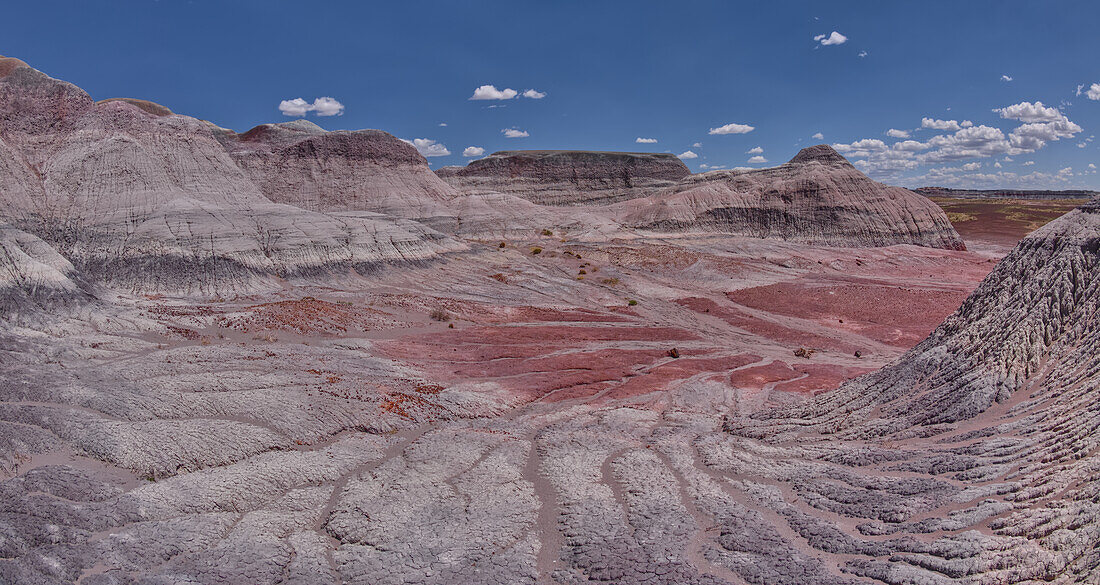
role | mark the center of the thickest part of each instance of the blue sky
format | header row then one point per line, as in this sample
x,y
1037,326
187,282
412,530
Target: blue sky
x,y
613,72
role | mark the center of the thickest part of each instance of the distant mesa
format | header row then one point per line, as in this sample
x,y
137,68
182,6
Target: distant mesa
x,y
569,177
1006,193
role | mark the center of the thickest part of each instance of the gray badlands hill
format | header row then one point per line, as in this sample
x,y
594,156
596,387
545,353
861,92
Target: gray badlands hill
x,y
569,177
139,197
817,197
300,164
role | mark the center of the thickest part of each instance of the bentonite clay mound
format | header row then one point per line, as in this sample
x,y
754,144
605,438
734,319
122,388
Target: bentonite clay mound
x,y
300,164
817,197
569,177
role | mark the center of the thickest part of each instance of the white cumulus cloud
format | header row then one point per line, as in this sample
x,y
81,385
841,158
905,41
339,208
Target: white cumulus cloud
x,y
322,106
895,133
534,94
862,54
687,154
1029,112
757,160
1006,78
732,129
641,140
490,92
1093,92
428,147
755,150
818,136
473,151
934,124
833,38
514,133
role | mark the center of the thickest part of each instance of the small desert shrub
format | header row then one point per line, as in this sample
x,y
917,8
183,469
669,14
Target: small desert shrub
x,y
632,302
547,233
536,250
803,352
499,277
583,271
439,315
610,281
502,245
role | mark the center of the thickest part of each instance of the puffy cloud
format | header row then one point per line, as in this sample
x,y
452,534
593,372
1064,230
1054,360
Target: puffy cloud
x,y
834,38
909,146
687,155
1029,112
473,151
732,129
862,148
706,166
973,142
1093,92
757,160
818,136
326,106
1006,78
697,145
973,166
514,133
742,169
1029,163
1092,165
428,147
490,92
1034,136
1080,86
966,124
862,54
534,94
997,165
641,140
322,106
755,150
895,133
934,124
294,107
442,124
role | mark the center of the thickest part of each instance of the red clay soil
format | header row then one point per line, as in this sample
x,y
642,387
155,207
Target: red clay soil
x,y
663,376
897,316
306,316
785,335
533,361
800,378
1002,221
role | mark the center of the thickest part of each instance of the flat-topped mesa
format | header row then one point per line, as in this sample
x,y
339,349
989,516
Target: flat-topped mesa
x,y
570,177
818,197
301,164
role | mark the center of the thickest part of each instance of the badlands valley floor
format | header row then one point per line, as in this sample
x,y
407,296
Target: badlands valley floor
x,y
676,402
